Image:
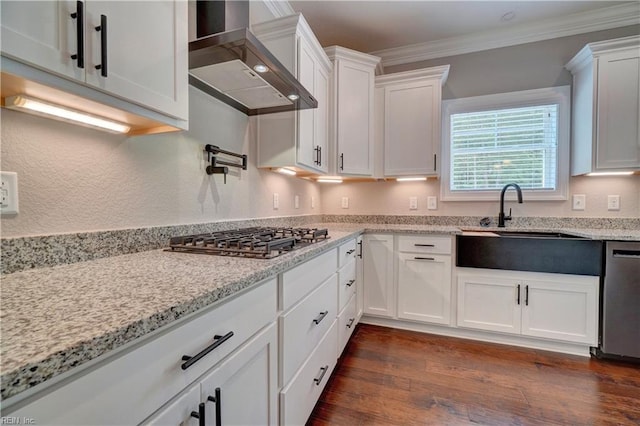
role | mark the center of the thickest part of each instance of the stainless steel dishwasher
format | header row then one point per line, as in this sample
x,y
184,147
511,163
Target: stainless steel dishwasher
x,y
620,325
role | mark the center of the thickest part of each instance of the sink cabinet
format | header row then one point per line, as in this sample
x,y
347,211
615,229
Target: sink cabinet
x,y
605,133
550,306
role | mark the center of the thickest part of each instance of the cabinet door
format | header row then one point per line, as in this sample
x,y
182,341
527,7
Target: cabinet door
x,y
378,283
247,384
178,412
562,309
489,303
146,52
424,288
359,279
618,103
321,120
411,126
43,34
307,153
355,119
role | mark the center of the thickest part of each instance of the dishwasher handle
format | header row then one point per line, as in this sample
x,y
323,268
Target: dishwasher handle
x,y
626,254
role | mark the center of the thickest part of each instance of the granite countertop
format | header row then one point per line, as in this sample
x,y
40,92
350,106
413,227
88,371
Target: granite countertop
x,y
56,318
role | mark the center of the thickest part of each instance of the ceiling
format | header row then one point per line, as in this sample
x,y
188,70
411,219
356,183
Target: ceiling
x,y
372,26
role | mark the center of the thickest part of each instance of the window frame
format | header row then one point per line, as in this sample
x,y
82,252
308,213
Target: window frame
x,y
560,95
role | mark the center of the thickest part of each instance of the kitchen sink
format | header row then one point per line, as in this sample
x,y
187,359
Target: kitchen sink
x,y
554,252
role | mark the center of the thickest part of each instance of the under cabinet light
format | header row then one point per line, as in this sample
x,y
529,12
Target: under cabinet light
x,y
330,180
410,179
49,110
610,174
286,171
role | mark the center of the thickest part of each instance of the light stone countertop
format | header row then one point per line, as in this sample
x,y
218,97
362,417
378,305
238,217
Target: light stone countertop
x,y
56,318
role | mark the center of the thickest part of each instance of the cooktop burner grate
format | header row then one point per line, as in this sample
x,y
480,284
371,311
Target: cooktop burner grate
x,y
259,242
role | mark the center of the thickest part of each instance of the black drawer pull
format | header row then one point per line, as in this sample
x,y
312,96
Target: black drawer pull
x,y
320,317
360,245
351,320
199,414
78,15
351,251
526,295
424,245
190,360
217,400
423,258
103,46
323,371
518,295
350,283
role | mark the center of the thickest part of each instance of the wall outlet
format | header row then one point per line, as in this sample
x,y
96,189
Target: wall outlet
x,y
313,202
345,202
613,202
579,201
413,203
296,202
432,203
9,193
276,201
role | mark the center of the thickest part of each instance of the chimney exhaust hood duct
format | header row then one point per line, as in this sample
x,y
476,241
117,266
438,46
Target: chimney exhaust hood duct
x,y
228,62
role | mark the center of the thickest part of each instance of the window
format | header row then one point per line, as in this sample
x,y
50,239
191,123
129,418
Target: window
x,y
521,137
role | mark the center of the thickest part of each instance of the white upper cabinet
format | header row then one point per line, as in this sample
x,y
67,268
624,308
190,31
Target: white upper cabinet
x,y
135,51
606,106
351,112
411,120
296,139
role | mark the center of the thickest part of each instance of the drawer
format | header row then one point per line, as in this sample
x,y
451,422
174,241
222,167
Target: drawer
x,y
304,325
346,323
300,396
346,253
131,386
346,284
424,244
301,280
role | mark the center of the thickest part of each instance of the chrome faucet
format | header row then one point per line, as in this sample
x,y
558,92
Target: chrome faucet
x,y
501,216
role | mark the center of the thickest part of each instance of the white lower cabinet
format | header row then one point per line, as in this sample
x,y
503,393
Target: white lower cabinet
x,y
378,282
299,396
551,306
239,391
347,321
424,288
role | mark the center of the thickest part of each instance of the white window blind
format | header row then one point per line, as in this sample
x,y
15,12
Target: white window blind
x,y
492,148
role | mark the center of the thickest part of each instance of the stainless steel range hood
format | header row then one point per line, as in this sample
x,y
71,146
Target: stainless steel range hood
x,y
228,62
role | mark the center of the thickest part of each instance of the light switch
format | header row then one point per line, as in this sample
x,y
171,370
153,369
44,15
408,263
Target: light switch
x,y
613,202
276,201
432,203
413,203
313,202
345,202
9,193
296,202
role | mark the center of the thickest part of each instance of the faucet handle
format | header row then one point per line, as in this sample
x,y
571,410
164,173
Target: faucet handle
x,y
508,217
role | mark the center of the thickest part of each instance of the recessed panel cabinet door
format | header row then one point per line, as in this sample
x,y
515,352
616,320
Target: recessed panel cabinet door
x,y
378,282
145,51
42,34
618,132
306,127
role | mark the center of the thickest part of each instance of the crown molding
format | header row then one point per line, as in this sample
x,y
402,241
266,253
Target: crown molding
x,y
577,23
592,50
441,73
279,8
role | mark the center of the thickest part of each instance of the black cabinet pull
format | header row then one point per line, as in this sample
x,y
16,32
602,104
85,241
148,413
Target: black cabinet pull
x,y
323,371
217,400
320,317
342,161
518,295
360,245
526,295
78,15
190,360
351,251
320,156
350,283
199,414
434,162
351,320
102,29
422,258
424,245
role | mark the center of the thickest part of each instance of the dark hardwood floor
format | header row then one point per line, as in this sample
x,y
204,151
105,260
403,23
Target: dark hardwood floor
x,y
396,377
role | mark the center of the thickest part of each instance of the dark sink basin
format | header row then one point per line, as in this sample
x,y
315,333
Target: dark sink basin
x,y
529,251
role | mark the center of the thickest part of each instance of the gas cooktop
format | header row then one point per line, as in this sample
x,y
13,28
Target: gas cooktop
x,y
257,242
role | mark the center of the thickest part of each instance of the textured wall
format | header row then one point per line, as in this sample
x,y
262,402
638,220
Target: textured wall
x,y
77,179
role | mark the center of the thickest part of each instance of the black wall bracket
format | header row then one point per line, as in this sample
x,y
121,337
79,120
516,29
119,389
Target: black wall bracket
x,y
218,166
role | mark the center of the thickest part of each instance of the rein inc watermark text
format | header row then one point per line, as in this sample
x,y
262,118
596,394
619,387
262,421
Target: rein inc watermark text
x,y
15,420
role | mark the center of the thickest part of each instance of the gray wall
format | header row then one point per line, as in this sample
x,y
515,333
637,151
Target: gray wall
x,y
513,68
